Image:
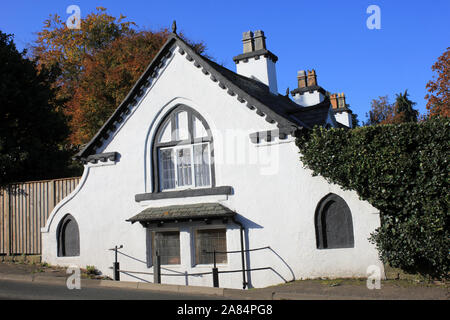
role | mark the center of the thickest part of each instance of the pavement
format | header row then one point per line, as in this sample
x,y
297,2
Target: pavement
x,y
339,289
28,290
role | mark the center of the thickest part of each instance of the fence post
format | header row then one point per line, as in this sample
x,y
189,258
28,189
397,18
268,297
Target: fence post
x,y
215,272
8,221
52,196
116,266
157,269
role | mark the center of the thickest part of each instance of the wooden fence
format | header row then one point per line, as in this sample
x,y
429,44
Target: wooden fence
x,y
25,208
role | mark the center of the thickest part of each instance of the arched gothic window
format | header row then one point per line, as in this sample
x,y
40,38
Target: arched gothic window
x,y
183,152
333,222
68,237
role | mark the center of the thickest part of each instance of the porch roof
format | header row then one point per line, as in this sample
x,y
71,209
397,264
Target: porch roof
x,y
186,212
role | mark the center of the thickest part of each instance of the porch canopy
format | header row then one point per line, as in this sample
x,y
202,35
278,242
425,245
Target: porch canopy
x,y
181,213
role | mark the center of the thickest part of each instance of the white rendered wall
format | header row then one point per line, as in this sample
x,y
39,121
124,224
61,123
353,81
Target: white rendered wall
x,y
344,117
262,69
308,99
274,196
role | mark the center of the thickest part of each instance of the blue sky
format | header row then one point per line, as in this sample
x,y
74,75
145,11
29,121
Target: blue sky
x,y
327,35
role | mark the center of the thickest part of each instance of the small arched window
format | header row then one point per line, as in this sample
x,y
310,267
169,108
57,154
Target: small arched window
x,y
68,237
333,222
183,152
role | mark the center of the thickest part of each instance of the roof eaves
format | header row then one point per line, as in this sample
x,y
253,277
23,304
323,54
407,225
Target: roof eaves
x,y
130,99
241,95
286,123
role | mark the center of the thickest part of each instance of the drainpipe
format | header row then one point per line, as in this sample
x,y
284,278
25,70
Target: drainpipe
x,y
244,283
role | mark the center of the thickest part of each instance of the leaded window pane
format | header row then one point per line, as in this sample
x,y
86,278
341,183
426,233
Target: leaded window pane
x,y
167,245
206,242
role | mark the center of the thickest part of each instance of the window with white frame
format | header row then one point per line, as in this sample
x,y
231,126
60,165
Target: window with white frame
x,y
206,242
183,152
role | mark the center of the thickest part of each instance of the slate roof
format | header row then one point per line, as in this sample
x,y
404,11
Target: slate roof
x,y
183,212
256,96
314,115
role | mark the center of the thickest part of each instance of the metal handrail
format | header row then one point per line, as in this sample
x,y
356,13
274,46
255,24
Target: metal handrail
x,y
168,274
237,251
192,274
215,272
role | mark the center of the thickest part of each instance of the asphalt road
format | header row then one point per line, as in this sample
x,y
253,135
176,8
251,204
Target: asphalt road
x,y
18,290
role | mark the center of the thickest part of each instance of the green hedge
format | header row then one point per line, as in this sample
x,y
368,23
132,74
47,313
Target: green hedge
x,y
403,171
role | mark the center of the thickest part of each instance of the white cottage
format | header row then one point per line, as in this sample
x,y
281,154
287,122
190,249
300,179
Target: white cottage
x,y
199,158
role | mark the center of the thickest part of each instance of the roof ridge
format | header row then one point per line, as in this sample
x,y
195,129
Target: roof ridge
x,y
274,108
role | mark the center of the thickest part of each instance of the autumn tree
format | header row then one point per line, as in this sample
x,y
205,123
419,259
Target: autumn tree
x,y
107,78
439,88
64,48
101,63
32,130
381,111
384,112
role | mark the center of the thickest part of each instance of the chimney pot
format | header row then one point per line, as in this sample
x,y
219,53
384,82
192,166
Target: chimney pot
x,y
260,40
312,78
341,100
248,42
334,101
301,77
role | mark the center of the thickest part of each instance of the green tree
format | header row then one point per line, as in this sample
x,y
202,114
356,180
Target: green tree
x,y
404,109
32,130
355,120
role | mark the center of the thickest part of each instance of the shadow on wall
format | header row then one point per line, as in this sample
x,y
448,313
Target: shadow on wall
x,y
248,225
252,225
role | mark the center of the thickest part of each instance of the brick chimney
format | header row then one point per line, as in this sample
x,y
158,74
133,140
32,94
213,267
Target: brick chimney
x,y
342,113
341,100
301,77
312,78
334,100
308,92
256,62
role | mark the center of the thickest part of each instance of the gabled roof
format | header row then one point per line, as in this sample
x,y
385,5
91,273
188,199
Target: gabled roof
x,y
256,96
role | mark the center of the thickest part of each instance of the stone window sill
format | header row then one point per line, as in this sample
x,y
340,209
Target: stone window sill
x,y
224,190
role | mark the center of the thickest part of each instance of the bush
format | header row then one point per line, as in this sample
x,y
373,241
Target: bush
x,y
402,170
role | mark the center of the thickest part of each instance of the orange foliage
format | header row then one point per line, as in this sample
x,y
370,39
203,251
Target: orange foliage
x,y
107,78
439,89
98,65
66,49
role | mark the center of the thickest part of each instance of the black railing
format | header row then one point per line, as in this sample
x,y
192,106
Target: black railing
x,y
157,267
116,267
215,270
